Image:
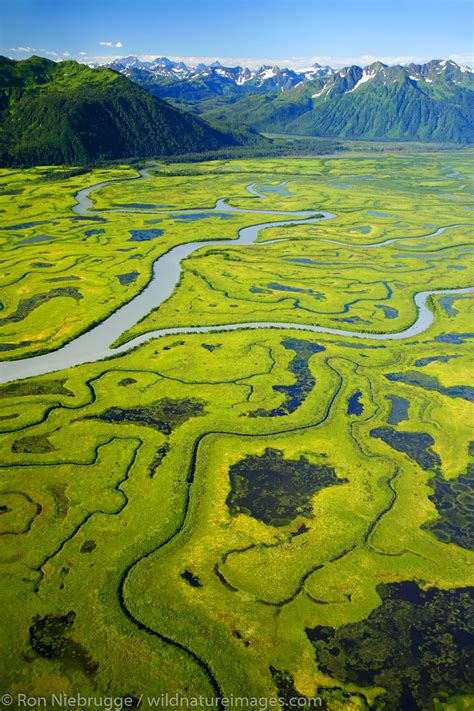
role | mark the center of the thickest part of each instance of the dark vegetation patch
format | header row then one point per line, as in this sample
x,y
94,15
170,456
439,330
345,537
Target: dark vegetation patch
x,y
454,501
128,278
226,255
64,278
88,546
297,393
13,191
61,500
276,490
49,638
35,444
41,387
398,410
41,265
164,415
416,645
144,235
26,306
210,347
238,636
416,445
193,580
354,405
285,686
429,382
127,381
50,176
158,457
172,345
13,346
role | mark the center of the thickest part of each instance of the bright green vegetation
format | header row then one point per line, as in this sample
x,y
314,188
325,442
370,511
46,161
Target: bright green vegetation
x,y
307,279
64,272
65,112
201,515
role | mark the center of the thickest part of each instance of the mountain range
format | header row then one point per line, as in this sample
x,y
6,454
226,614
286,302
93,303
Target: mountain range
x,y
428,102
65,112
167,73
203,87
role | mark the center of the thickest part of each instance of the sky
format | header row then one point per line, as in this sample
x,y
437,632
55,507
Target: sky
x,y
293,33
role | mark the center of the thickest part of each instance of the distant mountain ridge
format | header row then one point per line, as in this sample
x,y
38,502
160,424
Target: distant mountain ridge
x,y
428,102
65,112
203,87
265,76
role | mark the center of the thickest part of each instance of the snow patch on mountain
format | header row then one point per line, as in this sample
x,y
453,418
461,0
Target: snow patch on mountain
x,y
366,76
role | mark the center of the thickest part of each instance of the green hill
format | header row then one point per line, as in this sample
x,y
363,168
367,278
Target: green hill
x,y
65,112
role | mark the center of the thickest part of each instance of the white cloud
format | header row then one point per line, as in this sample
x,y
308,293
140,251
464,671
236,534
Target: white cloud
x,y
303,62
110,44
99,58
297,63
22,49
50,53
462,59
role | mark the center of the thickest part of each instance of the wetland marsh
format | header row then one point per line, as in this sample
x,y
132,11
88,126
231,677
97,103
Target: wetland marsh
x,y
236,424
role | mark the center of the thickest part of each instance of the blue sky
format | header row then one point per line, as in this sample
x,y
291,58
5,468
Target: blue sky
x,y
288,32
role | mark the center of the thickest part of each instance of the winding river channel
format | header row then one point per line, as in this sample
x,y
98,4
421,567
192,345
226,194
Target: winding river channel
x,y
95,344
